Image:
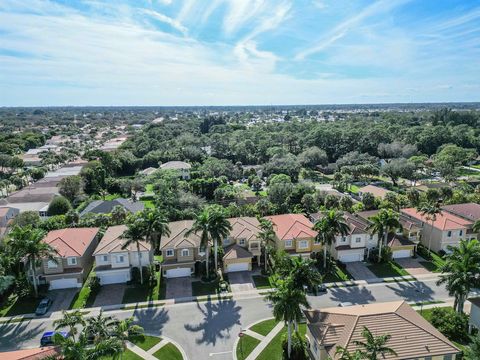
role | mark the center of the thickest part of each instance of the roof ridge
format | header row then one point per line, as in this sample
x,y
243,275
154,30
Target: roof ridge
x,y
58,237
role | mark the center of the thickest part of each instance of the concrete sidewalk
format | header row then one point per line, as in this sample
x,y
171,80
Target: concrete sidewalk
x,y
264,343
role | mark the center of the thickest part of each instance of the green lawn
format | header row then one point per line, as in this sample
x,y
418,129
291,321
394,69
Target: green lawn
x,y
84,298
200,288
146,342
433,261
264,327
145,292
273,351
390,269
354,189
148,204
262,282
149,188
245,346
337,275
168,352
18,306
130,355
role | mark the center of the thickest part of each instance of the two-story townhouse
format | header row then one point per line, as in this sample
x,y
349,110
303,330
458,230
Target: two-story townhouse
x,y
242,244
180,250
114,261
447,229
294,234
467,211
73,259
411,336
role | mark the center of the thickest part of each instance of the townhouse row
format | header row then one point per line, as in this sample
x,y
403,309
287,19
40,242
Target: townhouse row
x,y
79,248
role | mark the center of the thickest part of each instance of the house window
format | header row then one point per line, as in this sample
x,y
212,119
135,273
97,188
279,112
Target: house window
x,y
316,241
241,242
52,264
449,234
72,261
185,252
371,237
120,259
358,239
170,252
460,233
343,239
303,244
105,258
288,243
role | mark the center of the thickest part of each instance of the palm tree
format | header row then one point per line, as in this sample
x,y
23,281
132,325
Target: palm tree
x,y
125,330
134,235
430,211
72,349
472,351
344,354
374,346
461,271
287,301
156,226
27,242
99,326
384,223
302,272
267,237
220,228
70,320
327,227
476,227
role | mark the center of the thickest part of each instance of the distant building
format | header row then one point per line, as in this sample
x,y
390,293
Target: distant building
x,y
376,191
106,206
182,167
148,171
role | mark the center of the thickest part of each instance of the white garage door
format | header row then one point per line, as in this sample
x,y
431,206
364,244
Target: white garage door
x,y
350,257
397,254
237,267
63,284
115,278
180,272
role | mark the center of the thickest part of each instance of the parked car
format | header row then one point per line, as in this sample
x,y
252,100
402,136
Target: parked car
x,y
345,304
319,289
47,337
43,306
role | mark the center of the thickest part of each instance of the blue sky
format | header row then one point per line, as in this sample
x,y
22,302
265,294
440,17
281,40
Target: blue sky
x,y
221,52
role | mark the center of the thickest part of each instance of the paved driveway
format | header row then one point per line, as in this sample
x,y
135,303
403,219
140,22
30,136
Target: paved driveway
x,y
413,266
241,281
110,295
360,271
61,298
179,288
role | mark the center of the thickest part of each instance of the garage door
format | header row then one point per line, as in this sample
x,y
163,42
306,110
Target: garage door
x,y
115,278
180,272
63,284
350,257
397,254
237,267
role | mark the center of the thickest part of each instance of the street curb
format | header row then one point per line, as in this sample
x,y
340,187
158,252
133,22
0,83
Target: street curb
x,y
234,352
184,354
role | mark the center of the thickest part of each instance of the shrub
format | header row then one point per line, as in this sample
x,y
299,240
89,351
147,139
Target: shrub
x,y
299,347
94,285
387,255
59,206
451,323
147,275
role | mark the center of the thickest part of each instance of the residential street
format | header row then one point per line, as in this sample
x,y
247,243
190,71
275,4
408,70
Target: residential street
x,y
209,329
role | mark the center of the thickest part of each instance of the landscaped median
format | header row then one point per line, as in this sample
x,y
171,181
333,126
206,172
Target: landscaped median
x,y
158,347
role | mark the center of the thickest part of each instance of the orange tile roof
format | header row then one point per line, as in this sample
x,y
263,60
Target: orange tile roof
x,y
412,336
113,241
292,226
71,241
29,354
444,220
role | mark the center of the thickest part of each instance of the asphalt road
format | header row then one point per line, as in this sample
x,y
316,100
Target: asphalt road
x,y
208,330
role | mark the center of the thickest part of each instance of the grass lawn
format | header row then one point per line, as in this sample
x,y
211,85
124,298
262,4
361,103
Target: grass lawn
x,y
273,351
262,282
112,196
337,275
390,269
84,298
433,261
168,352
18,306
148,204
145,292
200,288
245,346
354,189
146,342
149,188
264,327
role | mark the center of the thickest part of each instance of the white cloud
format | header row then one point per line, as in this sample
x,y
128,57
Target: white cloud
x,y
167,20
240,12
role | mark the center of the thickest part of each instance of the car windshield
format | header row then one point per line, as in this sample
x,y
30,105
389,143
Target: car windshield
x,y
42,304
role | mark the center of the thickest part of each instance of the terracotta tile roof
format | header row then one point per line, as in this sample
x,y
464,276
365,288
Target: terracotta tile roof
x,y
411,335
357,224
236,252
29,354
113,241
444,220
468,211
374,190
398,240
4,211
407,223
292,226
71,241
244,228
178,238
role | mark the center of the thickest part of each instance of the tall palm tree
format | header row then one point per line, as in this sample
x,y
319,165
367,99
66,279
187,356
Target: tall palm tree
x,y
134,235
331,224
302,272
461,271
430,211
267,237
384,223
27,242
70,320
125,330
220,228
156,226
287,301
99,326
374,346
201,225
343,354
80,349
